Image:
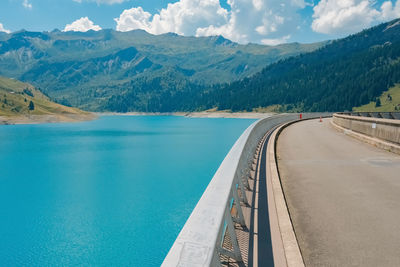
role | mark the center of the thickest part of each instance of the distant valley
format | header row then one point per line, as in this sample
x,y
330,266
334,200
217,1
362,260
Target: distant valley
x,y
136,71
99,70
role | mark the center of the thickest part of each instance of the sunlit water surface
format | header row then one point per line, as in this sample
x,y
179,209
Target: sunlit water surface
x,y
110,192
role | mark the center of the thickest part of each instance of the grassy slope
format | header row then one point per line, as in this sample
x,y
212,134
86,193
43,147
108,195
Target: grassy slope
x,y
76,68
14,101
386,104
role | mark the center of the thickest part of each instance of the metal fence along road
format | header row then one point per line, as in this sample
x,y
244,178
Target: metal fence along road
x,y
200,241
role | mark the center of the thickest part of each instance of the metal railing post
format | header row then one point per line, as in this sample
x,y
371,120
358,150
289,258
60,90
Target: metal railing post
x,y
240,220
231,230
242,190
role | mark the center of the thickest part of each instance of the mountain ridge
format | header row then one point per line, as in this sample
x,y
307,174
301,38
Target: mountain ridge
x,y
345,73
84,69
136,71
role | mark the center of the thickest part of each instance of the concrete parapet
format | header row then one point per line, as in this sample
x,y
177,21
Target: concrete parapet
x,y
199,242
384,133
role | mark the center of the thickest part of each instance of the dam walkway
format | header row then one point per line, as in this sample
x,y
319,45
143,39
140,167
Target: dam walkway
x,y
343,196
299,191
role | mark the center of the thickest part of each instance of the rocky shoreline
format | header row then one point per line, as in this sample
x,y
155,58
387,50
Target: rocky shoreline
x,y
203,114
53,118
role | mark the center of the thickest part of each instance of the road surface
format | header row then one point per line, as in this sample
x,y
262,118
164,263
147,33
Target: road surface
x,y
343,196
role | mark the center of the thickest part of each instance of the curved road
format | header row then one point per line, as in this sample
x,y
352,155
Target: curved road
x,y
343,196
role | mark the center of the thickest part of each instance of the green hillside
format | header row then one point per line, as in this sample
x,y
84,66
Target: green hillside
x,y
92,70
389,101
136,71
346,73
16,96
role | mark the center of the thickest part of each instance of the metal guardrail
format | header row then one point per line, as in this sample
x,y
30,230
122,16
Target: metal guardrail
x,y
200,241
379,115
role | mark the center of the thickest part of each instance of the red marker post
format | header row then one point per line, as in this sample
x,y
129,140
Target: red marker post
x,y
301,116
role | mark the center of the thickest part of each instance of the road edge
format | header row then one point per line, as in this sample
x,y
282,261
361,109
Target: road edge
x,y
285,247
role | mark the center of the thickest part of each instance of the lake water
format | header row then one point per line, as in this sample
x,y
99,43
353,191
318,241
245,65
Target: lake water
x,y
111,192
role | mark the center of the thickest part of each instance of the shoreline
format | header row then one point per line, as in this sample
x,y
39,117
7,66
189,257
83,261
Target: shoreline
x,y
61,118
46,118
201,114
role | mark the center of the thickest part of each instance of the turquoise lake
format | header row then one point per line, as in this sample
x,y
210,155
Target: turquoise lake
x,y
110,192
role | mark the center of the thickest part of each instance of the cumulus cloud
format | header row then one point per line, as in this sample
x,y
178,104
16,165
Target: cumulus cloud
x,y
349,16
246,21
83,24
26,4
275,41
182,17
2,29
108,2
390,11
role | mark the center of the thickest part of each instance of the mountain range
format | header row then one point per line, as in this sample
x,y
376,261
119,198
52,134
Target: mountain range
x,y
136,71
345,73
92,70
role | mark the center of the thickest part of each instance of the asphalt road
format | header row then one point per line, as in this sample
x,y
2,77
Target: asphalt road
x,y
343,196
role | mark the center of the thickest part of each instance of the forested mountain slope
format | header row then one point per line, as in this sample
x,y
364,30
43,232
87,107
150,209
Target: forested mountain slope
x,y
93,70
137,71
344,74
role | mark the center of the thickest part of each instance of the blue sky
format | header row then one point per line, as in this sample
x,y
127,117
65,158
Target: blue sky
x,y
258,21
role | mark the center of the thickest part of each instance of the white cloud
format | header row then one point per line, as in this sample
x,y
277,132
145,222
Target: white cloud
x,y
2,29
82,25
259,21
246,21
182,17
350,16
26,4
389,11
108,2
275,41
134,18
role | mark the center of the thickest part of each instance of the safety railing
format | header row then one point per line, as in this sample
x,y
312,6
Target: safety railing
x,y
379,115
380,128
200,241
